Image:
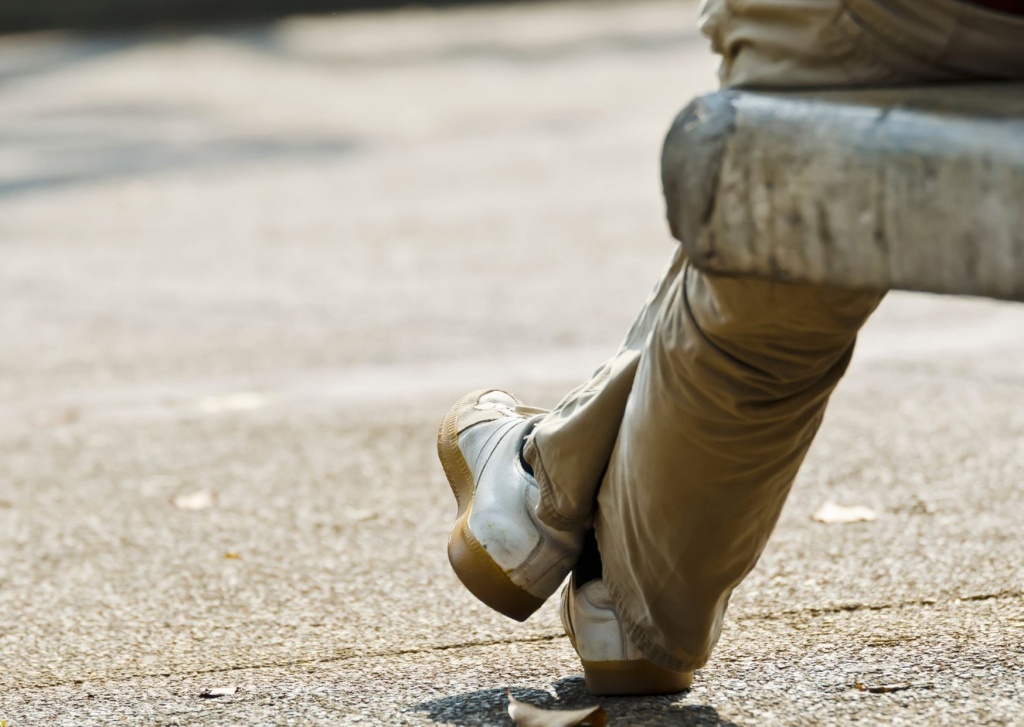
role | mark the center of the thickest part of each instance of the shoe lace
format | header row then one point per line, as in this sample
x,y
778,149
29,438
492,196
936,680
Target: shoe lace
x,y
529,411
520,410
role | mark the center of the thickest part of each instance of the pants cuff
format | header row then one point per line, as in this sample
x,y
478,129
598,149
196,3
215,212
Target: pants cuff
x,y
643,641
546,510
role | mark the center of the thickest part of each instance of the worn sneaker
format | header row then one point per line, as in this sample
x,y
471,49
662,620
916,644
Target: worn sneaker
x,y
500,551
611,664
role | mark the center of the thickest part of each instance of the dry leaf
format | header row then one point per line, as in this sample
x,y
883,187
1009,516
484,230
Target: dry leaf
x,y
357,515
920,506
200,500
233,556
57,418
213,692
832,512
526,715
886,688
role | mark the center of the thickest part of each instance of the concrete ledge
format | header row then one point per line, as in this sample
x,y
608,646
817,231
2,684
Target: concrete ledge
x,y
916,188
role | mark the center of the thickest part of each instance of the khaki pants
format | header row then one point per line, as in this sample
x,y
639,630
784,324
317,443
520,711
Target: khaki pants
x,y
682,448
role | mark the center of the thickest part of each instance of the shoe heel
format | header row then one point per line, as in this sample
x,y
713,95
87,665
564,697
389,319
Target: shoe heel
x,y
624,678
484,578
471,562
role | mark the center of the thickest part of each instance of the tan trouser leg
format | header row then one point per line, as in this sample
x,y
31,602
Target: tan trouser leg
x,y
695,430
728,395
569,449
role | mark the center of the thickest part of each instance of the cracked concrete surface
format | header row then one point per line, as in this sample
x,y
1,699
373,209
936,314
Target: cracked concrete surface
x,y
261,262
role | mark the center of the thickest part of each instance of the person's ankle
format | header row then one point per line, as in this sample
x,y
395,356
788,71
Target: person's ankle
x,y
527,467
588,567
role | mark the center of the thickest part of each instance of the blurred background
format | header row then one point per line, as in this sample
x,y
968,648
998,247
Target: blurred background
x,y
310,192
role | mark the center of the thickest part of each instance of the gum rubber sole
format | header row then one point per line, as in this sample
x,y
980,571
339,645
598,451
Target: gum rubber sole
x,y
637,677
624,678
470,560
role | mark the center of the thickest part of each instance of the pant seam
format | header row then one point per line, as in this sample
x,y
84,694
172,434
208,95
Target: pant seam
x,y
865,44
894,41
954,34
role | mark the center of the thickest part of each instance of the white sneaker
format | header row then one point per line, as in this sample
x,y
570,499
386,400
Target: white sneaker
x,y
611,664
500,551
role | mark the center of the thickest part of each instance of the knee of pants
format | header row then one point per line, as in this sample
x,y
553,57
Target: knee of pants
x,y
778,330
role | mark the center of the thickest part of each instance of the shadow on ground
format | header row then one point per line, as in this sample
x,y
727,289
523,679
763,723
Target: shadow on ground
x,y
490,706
90,145
57,52
20,15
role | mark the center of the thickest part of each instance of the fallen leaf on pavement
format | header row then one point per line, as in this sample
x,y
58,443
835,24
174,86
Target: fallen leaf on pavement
x,y
56,418
358,515
832,512
526,715
214,692
919,506
886,688
200,500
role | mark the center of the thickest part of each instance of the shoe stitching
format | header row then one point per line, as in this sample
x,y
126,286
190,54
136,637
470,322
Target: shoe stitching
x,y
497,436
491,443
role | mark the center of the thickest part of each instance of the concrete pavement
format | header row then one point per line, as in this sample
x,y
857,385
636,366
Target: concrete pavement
x,y
260,263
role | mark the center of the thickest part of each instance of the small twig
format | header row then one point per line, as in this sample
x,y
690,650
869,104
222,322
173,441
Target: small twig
x,y
888,688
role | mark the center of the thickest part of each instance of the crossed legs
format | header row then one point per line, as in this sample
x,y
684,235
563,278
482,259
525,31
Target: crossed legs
x,y
723,396
681,449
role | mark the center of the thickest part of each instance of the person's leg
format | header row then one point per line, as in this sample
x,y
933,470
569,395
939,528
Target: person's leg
x,y
729,393
570,447
502,547
734,377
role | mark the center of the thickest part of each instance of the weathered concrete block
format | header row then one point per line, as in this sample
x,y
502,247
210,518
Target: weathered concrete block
x,y
915,188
